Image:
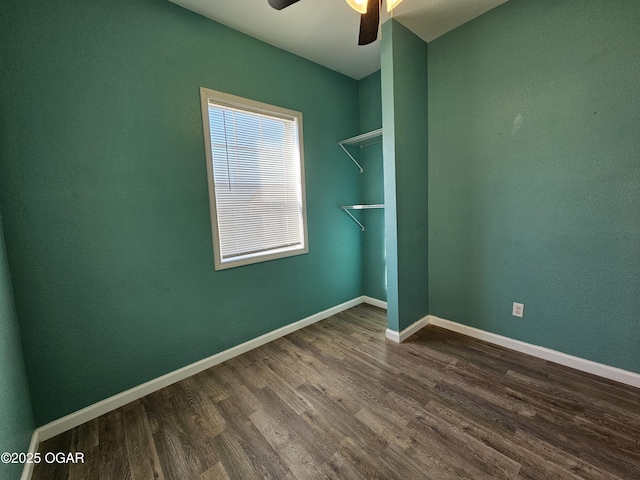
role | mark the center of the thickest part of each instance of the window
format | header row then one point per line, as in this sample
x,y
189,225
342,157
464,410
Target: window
x,y
255,166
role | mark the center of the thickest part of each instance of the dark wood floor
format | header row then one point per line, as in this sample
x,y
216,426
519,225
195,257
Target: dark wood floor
x,y
338,401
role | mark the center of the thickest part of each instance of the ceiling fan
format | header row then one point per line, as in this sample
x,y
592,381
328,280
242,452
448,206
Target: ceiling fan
x,y
369,19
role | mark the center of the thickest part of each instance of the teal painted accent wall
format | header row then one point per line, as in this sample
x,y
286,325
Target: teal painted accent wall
x,y
105,193
534,178
16,418
372,191
370,102
404,119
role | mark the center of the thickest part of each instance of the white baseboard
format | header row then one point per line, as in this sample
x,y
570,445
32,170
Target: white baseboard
x,y
599,369
27,470
109,404
375,302
584,365
407,332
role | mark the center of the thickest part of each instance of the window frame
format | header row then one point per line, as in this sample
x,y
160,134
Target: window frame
x,y
250,106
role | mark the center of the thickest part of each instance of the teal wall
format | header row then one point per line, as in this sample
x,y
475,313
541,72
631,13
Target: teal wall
x,y
372,191
404,119
105,193
534,176
16,419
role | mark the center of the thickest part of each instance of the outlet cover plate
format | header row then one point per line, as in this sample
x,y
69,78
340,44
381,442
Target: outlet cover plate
x,y
518,309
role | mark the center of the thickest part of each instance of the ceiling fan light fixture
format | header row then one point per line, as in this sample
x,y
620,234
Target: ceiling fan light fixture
x,y
359,6
391,4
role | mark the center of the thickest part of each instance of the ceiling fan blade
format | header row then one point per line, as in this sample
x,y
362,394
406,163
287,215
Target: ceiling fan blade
x,y
369,23
280,4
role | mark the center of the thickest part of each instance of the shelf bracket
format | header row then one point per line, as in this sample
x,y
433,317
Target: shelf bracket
x,y
361,141
353,218
346,208
351,157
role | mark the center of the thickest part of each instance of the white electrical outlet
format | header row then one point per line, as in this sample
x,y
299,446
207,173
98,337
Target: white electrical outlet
x,y
518,309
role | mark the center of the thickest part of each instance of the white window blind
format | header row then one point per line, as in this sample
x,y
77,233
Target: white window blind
x,y
257,181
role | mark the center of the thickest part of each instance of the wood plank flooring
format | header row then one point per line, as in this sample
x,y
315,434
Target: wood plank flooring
x,y
337,400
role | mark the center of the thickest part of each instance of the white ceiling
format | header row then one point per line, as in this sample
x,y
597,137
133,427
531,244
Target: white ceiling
x,y
326,31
